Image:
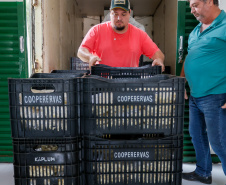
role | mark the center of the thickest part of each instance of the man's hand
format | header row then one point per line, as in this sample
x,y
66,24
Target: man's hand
x,y
158,59
224,106
182,74
185,95
158,62
93,60
86,56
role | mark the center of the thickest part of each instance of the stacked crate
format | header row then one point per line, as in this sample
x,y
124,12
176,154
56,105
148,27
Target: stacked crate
x,y
137,161
78,73
78,64
105,71
132,125
45,122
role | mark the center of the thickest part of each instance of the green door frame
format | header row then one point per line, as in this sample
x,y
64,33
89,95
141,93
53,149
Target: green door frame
x,y
13,64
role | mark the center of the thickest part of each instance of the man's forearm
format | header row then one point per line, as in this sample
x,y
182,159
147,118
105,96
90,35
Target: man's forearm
x,y
182,74
84,54
159,55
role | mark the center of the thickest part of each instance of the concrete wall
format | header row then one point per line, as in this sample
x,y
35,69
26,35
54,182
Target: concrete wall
x,y
62,30
89,22
165,31
223,5
171,34
159,27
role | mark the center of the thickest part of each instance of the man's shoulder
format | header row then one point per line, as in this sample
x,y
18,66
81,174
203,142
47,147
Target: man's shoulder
x,y
102,25
137,30
223,13
224,16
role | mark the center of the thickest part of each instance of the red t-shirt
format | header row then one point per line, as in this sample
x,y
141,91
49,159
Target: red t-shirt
x,y
119,50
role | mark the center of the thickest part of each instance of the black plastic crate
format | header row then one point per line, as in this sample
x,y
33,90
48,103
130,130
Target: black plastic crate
x,y
117,106
78,64
44,107
35,171
142,161
144,63
46,151
79,73
49,181
47,157
63,74
125,72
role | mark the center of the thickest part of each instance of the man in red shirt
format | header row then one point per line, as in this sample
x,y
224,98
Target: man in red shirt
x,y
117,43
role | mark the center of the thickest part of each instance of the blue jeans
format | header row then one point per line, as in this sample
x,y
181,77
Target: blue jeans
x,y
207,123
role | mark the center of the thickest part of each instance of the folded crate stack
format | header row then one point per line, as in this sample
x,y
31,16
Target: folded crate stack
x,y
45,124
132,125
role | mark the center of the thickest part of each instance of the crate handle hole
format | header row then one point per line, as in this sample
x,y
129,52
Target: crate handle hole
x,y
42,89
45,148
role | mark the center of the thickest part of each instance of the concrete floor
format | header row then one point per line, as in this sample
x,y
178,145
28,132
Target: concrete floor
x,y
6,174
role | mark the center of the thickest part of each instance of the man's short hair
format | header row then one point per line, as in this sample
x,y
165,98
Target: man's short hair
x,y
216,2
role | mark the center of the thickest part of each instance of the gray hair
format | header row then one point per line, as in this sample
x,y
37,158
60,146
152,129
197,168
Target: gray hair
x,y
216,2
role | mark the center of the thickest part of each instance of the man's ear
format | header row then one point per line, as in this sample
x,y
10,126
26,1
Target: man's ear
x,y
210,2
